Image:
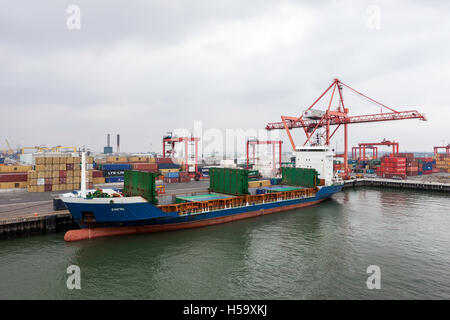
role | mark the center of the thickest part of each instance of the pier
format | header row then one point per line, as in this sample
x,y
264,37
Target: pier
x,y
401,184
40,224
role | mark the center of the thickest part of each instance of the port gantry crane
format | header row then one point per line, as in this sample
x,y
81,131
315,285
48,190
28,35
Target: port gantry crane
x,y
169,148
254,142
446,148
371,145
313,119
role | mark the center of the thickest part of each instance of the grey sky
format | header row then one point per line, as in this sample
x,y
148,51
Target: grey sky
x,y
142,68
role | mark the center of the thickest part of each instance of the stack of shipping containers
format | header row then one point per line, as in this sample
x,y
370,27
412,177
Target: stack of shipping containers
x,y
112,168
443,163
392,167
426,165
58,173
12,177
412,164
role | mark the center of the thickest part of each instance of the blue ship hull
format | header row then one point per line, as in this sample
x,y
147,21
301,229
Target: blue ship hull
x,y
144,214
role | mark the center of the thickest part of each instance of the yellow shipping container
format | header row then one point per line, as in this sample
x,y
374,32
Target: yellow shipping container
x,y
259,183
39,160
151,160
32,174
12,169
98,180
13,185
163,171
138,159
112,159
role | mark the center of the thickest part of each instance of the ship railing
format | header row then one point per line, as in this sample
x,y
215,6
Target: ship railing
x,y
237,201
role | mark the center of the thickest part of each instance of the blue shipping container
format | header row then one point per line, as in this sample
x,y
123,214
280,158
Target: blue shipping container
x,y
113,173
116,166
2,160
172,175
113,179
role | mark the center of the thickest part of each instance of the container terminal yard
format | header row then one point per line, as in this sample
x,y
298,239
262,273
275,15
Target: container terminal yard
x,y
31,182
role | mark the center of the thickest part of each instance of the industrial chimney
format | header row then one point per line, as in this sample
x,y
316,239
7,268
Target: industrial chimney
x,y
108,140
118,143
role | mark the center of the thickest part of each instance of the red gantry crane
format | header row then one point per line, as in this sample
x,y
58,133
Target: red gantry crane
x,y
366,145
255,142
169,141
314,119
446,148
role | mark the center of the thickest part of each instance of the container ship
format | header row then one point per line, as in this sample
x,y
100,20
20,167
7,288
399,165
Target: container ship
x,y
109,212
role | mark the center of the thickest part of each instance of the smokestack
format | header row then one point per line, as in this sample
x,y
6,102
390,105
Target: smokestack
x,y
118,143
108,141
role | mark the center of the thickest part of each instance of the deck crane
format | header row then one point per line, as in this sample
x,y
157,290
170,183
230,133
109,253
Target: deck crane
x,y
314,119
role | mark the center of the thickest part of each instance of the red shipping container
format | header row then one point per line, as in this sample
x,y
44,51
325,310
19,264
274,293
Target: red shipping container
x,y
48,181
62,180
164,160
69,166
13,177
97,173
48,187
144,166
62,174
171,180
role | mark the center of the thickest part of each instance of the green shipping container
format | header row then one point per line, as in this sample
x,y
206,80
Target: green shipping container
x,y
300,177
229,181
140,183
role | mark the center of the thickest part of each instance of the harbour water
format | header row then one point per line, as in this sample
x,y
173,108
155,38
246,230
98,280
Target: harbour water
x,y
321,252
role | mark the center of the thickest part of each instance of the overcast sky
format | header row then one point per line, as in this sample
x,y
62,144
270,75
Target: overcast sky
x,y
143,68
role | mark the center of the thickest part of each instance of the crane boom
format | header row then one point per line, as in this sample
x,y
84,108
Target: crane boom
x,y
401,115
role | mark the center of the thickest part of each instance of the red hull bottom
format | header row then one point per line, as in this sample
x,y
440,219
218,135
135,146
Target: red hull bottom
x,y
87,234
